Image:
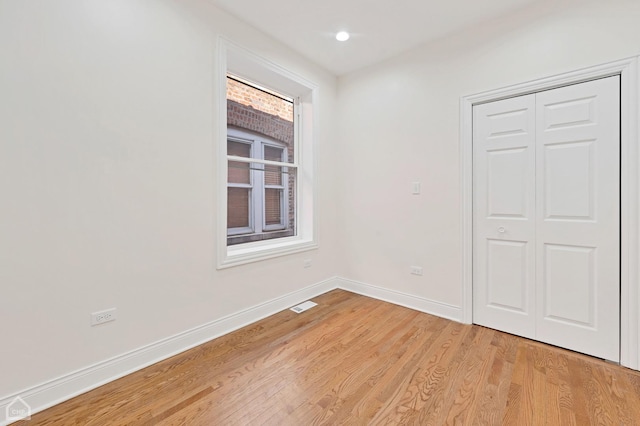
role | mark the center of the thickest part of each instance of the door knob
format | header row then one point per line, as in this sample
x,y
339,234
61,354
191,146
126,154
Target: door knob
x,y
501,230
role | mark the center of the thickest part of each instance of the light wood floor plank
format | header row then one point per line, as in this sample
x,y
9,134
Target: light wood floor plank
x,y
353,360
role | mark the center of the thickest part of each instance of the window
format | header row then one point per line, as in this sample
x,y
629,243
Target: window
x,y
266,186
259,203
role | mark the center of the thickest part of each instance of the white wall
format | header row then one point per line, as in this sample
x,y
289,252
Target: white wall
x,y
399,123
107,168
106,181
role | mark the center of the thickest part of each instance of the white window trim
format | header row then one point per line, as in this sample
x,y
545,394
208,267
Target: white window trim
x,y
245,64
257,186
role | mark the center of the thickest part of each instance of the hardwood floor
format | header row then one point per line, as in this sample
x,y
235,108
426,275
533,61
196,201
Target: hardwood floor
x,y
355,360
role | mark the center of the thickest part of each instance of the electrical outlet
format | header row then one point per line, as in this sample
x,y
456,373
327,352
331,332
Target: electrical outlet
x,y
101,317
416,270
307,263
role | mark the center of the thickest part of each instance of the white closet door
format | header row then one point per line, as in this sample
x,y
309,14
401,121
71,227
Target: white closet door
x,y
547,216
504,215
578,217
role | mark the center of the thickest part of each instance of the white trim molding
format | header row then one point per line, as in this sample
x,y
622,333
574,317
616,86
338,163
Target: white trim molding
x,y
63,388
630,189
410,301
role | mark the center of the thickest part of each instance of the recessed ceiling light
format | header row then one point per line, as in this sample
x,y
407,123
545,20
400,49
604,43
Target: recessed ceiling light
x,y
342,36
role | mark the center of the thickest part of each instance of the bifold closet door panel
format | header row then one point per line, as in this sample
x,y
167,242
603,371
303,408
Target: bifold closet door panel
x,y
504,215
546,231
578,217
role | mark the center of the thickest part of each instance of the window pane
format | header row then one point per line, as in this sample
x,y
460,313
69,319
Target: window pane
x,y
273,175
260,110
273,206
238,172
272,153
239,149
238,207
261,125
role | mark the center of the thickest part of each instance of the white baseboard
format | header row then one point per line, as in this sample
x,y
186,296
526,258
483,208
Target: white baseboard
x,y
439,309
55,391
70,385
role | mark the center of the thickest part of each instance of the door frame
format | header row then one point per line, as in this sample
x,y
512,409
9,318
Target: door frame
x,y
629,187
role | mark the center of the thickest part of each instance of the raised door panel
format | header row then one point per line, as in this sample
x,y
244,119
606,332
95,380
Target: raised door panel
x,y
507,275
507,186
569,181
578,220
569,284
504,208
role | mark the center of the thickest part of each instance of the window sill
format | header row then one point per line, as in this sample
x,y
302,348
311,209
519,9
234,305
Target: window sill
x,y
254,237
262,250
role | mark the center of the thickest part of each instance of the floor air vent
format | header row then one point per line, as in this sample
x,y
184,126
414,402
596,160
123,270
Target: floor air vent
x,y
303,306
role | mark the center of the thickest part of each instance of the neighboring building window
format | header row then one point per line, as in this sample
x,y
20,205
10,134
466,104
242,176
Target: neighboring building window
x,y
266,198
260,205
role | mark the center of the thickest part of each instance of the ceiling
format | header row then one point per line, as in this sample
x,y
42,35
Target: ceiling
x,y
379,28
